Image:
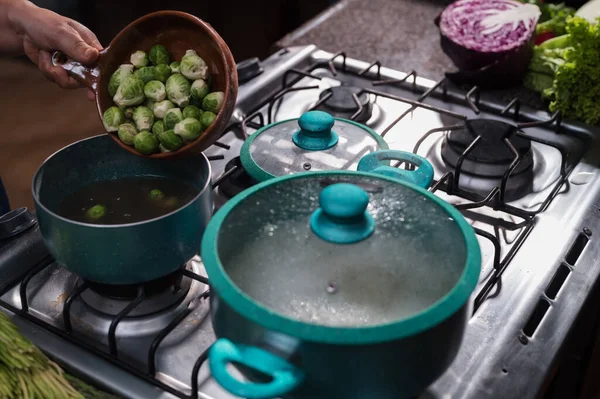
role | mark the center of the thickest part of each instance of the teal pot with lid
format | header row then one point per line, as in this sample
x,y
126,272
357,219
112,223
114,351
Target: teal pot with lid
x,y
339,284
314,142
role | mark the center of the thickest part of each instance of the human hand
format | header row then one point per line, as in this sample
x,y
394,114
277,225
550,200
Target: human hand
x,y
44,31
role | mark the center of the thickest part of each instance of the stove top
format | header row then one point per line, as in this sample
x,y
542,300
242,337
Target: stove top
x,y
523,179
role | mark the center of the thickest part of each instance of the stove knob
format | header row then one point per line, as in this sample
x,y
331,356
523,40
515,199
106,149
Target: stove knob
x,y
15,222
248,69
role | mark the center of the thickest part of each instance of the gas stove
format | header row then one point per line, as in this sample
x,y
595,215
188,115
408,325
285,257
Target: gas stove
x,y
523,178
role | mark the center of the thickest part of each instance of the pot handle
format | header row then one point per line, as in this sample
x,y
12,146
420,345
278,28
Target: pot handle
x,y
86,75
422,176
285,377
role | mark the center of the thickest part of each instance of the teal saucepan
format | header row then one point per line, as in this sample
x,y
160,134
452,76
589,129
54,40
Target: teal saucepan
x,y
120,253
339,284
314,142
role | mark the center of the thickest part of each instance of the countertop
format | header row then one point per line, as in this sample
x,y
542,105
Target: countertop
x,y
401,34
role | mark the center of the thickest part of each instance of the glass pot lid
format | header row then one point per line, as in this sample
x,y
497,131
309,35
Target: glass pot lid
x,y
316,141
311,252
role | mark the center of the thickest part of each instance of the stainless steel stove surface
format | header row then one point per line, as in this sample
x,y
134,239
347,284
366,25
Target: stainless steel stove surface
x,y
524,179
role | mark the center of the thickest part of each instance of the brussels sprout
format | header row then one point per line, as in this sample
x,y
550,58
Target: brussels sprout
x,y
162,72
199,89
174,67
207,119
172,117
155,90
170,140
160,108
213,101
145,73
145,143
159,55
178,89
188,129
112,118
192,66
117,77
158,127
143,118
130,92
128,112
191,111
156,195
127,132
139,59
162,148
96,212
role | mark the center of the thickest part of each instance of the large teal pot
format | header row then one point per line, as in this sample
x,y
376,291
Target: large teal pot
x,y
125,253
339,284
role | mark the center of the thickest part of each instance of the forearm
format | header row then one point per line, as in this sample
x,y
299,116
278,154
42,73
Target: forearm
x,y
11,40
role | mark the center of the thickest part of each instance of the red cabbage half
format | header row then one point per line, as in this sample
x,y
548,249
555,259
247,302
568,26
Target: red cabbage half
x,y
490,41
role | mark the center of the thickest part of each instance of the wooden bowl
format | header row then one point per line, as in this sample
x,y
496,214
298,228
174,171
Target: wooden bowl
x,y
178,32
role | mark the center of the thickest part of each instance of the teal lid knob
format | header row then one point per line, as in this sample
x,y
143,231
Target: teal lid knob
x,y
315,132
342,217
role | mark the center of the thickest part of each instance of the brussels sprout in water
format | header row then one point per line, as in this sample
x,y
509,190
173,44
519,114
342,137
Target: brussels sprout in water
x,y
112,118
155,90
139,59
158,127
207,119
178,89
130,92
172,117
160,108
145,143
174,67
143,118
162,72
128,112
191,111
95,213
188,129
156,195
170,140
199,89
192,66
127,133
117,77
159,55
213,101
145,73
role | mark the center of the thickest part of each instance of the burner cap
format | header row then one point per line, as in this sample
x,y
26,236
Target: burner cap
x,y
159,294
490,157
341,104
238,181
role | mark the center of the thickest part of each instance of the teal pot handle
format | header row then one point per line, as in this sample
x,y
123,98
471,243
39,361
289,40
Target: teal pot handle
x,y
315,132
285,377
374,162
342,217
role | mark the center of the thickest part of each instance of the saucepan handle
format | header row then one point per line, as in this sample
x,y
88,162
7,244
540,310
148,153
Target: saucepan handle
x,y
285,377
422,176
86,75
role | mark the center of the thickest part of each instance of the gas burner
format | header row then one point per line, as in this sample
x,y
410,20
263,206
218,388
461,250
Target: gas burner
x,y
237,182
341,104
490,157
159,294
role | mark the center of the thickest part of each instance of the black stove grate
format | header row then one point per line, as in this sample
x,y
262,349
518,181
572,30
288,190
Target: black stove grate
x,y
112,355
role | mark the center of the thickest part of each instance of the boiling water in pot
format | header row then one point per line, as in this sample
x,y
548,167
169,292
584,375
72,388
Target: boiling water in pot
x,y
410,262
126,200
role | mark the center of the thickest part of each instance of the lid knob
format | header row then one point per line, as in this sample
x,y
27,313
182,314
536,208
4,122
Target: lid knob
x,y
315,132
342,217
